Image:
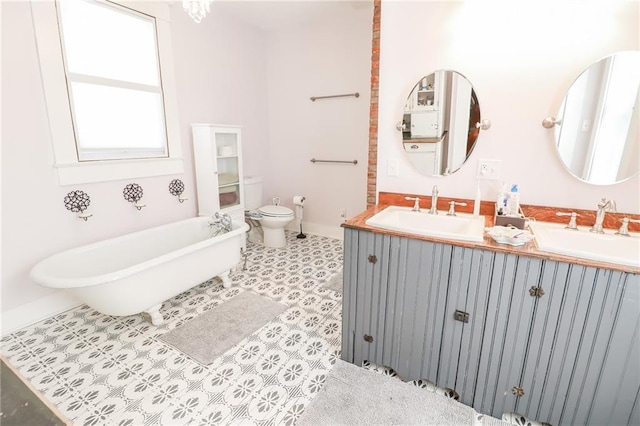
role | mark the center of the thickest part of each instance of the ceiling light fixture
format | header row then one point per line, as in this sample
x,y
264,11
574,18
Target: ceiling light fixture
x,y
197,9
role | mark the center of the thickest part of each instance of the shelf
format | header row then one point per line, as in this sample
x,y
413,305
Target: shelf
x,y
225,206
419,139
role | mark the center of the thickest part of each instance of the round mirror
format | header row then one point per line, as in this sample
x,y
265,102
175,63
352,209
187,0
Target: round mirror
x,y
597,128
440,123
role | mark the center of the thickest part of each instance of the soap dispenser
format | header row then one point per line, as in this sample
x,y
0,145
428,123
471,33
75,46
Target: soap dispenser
x,y
501,204
513,202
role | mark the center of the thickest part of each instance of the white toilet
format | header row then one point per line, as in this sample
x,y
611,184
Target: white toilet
x,y
272,218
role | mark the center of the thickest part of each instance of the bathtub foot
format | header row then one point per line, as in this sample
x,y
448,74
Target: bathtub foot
x,y
154,313
226,281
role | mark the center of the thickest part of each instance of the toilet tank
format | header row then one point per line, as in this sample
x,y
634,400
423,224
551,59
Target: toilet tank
x,y
252,192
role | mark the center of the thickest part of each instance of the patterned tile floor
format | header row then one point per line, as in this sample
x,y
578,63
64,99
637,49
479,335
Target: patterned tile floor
x,y
103,370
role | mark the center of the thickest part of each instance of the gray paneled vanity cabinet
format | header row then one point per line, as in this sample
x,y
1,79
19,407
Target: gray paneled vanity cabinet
x,y
553,341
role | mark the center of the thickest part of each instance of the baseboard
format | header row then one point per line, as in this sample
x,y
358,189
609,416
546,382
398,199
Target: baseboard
x,y
37,310
317,229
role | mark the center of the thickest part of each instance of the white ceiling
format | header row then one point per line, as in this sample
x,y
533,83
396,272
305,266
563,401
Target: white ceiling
x,y
273,15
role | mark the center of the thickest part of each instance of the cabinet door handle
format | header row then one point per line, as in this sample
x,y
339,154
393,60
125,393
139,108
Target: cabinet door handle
x,y
372,258
536,292
368,338
517,391
461,316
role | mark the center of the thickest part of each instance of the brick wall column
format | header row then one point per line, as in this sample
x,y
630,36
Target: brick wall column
x,y
372,161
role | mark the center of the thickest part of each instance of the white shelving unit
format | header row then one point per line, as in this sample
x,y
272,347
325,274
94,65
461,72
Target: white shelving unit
x,y
217,151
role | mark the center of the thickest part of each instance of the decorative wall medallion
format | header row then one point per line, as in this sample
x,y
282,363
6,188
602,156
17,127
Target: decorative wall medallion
x,y
78,202
176,187
133,193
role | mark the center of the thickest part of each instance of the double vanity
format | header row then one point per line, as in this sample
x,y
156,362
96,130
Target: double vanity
x,y
618,247
547,328
552,334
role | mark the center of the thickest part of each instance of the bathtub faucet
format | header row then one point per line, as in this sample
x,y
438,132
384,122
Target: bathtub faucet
x,y
220,224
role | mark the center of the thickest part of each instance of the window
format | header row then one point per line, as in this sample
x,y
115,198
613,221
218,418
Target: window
x,y
112,77
107,73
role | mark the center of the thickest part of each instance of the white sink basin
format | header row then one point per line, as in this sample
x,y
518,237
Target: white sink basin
x,y
463,227
608,247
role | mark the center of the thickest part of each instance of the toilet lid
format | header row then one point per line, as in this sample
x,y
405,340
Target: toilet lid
x,y
275,211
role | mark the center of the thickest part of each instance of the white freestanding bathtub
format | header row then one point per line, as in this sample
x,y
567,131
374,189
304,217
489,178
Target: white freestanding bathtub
x,y
137,272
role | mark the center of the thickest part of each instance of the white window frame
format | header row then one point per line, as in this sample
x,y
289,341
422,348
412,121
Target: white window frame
x,y
70,170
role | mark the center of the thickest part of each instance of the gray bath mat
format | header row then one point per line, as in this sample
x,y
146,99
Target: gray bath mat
x,y
352,395
211,334
335,283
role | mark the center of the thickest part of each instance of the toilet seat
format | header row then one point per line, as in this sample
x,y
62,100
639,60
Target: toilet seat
x,y
275,211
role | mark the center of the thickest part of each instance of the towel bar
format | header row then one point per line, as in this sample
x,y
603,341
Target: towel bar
x,y
355,95
313,160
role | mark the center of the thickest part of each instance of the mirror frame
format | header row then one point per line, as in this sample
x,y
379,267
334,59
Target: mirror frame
x,y
427,125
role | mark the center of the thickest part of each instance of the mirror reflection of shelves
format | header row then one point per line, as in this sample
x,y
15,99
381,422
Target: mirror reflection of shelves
x,y
426,95
452,121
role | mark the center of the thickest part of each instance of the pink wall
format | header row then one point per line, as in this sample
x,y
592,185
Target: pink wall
x,y
327,58
521,58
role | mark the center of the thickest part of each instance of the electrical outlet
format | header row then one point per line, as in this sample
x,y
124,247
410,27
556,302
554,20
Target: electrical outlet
x,y
488,170
343,213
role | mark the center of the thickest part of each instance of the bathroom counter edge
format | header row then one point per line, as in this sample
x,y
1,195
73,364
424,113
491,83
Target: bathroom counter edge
x,y
529,249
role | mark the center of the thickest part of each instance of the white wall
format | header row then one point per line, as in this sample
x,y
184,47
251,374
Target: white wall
x,y
521,58
219,66
330,56
220,71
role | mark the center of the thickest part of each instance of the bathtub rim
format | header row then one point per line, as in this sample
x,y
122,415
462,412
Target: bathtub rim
x,y
39,276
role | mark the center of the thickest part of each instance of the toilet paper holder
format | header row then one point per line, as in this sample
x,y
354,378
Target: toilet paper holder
x,y
298,201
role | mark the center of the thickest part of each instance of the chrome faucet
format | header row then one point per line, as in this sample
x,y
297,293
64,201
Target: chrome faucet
x,y
572,222
220,224
603,206
452,207
416,203
434,200
624,228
